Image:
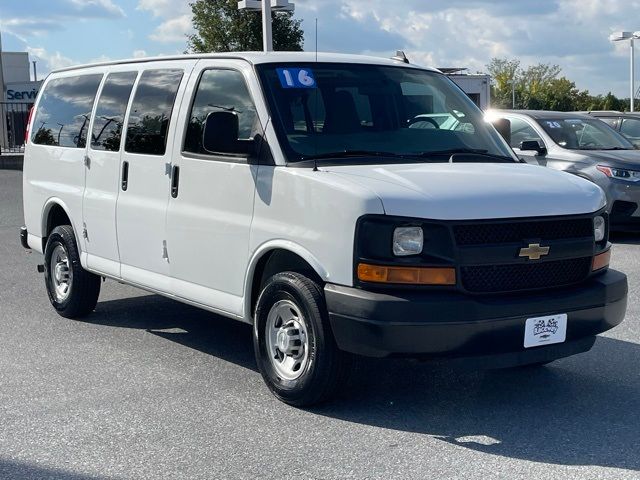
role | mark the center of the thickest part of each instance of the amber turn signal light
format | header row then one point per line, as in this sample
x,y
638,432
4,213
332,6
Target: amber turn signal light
x,y
406,275
601,261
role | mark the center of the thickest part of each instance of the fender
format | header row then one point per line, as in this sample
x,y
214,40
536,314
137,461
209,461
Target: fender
x,y
48,205
265,248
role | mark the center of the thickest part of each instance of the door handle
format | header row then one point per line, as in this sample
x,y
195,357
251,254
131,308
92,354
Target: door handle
x,y
125,176
175,180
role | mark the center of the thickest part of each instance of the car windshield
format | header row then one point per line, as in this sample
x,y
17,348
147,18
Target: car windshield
x,y
343,111
584,134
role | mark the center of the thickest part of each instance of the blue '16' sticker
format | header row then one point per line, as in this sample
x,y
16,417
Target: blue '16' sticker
x,y
296,78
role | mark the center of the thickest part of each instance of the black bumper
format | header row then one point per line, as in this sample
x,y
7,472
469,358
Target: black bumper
x,y
23,237
490,329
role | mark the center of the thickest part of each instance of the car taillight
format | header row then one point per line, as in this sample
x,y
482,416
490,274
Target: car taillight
x,y
26,130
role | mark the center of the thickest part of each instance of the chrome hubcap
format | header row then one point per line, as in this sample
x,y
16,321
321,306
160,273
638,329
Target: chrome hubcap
x,y
61,273
287,340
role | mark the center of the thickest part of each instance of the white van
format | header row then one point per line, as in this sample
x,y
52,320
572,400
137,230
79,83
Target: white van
x,y
319,200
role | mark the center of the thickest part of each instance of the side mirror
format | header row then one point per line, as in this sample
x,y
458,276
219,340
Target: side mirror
x,y
533,145
220,134
503,126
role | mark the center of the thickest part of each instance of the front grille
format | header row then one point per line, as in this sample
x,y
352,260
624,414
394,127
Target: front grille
x,y
516,232
524,276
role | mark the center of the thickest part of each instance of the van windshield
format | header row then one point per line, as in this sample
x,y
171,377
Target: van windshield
x,y
342,111
584,134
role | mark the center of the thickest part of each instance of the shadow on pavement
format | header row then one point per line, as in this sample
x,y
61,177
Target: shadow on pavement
x,y
584,410
198,329
27,471
625,238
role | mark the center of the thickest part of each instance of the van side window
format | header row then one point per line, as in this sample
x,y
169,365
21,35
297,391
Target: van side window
x,y
64,112
112,104
521,131
151,111
219,90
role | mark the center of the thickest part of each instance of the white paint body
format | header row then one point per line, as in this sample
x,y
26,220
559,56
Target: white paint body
x,y
228,215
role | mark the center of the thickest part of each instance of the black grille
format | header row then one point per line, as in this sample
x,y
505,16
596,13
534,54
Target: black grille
x,y
527,276
516,232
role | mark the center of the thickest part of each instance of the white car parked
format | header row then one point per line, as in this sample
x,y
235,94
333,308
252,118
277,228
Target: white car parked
x,y
309,198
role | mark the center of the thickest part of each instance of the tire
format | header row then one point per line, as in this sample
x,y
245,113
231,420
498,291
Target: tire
x,y
294,347
62,268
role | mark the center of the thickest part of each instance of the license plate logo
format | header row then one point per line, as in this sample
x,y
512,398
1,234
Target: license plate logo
x,y
545,330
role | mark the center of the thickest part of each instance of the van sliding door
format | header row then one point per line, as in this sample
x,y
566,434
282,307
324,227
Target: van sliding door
x,y
144,181
102,173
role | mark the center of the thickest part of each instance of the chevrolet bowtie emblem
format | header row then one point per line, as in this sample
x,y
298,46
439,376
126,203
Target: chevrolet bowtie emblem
x,y
534,251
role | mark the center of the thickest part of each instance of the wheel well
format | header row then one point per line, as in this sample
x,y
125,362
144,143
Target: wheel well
x,y
276,261
56,217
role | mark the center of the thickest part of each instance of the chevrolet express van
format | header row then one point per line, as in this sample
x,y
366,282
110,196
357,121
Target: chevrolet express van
x,y
323,200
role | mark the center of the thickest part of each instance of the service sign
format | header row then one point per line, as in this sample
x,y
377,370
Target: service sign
x,y
21,92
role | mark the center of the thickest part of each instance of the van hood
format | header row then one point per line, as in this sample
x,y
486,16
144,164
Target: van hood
x,y
472,191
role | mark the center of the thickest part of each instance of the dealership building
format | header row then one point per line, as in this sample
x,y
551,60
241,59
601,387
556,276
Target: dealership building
x,y
19,92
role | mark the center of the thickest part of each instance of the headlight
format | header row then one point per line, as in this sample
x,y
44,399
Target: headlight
x,y
407,241
619,173
599,228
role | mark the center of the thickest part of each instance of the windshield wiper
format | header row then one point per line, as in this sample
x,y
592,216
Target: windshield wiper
x,y
466,151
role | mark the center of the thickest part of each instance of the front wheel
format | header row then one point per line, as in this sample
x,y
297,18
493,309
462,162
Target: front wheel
x,y
294,346
73,291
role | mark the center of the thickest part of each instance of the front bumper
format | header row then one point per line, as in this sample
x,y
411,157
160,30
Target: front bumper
x,y
488,329
624,198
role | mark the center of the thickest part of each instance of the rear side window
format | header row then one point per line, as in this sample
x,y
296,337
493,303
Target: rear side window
x,y
630,128
220,90
112,104
521,131
64,111
151,111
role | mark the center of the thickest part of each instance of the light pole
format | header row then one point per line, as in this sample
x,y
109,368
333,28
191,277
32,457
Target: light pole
x,y
631,36
265,6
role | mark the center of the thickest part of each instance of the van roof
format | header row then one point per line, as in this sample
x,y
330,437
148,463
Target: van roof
x,y
255,58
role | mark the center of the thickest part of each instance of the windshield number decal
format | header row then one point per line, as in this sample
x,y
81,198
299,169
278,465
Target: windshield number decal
x,y
296,78
554,124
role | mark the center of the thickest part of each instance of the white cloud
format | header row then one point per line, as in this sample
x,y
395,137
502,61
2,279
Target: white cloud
x,y
139,54
52,61
165,8
29,26
468,33
174,30
98,8
101,59
176,16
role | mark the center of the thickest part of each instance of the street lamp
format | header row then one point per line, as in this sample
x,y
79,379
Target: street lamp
x,y
622,37
265,6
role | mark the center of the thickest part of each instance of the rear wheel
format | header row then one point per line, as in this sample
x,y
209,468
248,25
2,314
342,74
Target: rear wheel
x,y
73,291
294,346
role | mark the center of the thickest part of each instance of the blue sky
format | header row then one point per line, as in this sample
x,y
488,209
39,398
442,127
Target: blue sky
x,y
467,33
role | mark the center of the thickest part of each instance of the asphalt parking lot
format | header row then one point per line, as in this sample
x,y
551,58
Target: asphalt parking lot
x,y
150,388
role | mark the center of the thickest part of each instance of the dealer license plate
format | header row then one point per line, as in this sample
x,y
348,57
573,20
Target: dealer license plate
x,y
545,330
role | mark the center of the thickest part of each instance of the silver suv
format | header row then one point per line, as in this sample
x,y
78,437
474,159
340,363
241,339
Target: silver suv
x,y
584,146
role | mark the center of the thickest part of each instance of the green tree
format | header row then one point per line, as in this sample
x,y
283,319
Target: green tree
x,y
540,87
221,27
559,94
503,72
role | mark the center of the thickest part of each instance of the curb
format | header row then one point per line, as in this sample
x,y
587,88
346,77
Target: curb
x,y
11,162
